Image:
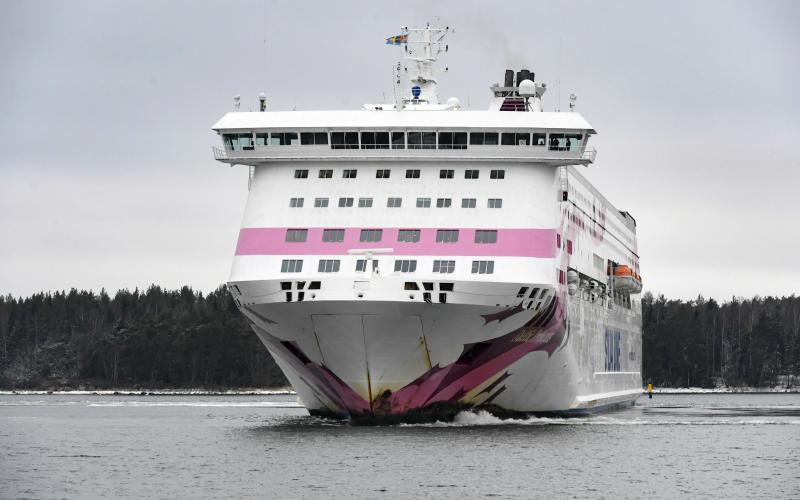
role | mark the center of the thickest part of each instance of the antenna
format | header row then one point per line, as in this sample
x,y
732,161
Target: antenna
x,y
236,102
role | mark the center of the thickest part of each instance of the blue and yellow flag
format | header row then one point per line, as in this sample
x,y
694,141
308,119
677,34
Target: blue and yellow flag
x,y
396,40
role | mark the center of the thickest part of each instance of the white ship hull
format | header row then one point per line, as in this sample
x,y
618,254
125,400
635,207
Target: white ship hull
x,y
415,360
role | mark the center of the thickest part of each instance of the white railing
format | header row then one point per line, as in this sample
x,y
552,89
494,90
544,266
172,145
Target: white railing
x,y
589,154
219,153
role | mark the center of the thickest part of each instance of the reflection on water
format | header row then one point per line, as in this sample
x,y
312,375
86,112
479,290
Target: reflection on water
x,y
697,445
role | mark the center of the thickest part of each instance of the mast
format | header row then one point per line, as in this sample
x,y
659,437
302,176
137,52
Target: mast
x,y
423,46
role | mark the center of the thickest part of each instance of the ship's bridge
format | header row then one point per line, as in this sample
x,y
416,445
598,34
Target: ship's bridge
x,y
254,138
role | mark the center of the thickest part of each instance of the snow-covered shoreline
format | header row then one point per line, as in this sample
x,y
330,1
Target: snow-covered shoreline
x,y
725,390
289,392
152,392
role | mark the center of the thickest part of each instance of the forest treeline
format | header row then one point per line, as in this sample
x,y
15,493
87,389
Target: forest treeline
x,y
184,339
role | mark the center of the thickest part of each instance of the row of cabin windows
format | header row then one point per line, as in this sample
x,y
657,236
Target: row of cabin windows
x,y
410,174
393,202
482,236
400,266
244,141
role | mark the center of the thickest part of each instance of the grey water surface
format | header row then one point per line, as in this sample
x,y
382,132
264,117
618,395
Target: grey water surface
x,y
671,446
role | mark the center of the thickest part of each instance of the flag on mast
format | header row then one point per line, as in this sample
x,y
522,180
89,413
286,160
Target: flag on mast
x,y
397,40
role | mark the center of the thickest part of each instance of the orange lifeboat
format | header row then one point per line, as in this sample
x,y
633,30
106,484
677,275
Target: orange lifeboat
x,y
625,280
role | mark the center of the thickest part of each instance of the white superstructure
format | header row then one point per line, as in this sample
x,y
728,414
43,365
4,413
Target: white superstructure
x,y
412,259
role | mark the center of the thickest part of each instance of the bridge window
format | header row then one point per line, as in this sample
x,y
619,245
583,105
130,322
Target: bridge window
x,y
329,265
408,235
296,202
301,174
444,266
314,138
398,140
423,203
539,139
516,139
471,174
485,236
344,140
452,140
382,174
495,203
482,267
483,138
283,139
565,142
326,174
443,202
321,202
468,202
345,202
447,236
422,140
394,202
374,140
238,142
262,139
296,235
291,266
412,174
333,235
405,266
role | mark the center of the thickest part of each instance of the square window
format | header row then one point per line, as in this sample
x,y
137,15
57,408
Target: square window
x,y
345,202
497,174
443,202
301,174
444,266
485,236
408,235
446,174
326,174
296,235
468,202
320,202
349,173
382,174
361,265
365,202
296,202
447,236
412,174
495,203
423,203
405,266
329,266
333,235
482,267
394,202
291,266
371,235
471,174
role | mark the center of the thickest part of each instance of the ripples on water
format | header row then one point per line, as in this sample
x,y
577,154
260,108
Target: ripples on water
x,y
699,445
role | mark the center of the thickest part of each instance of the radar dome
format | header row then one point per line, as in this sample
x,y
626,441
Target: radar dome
x,y
527,88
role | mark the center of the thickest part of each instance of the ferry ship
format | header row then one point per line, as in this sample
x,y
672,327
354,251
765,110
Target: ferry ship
x,y
413,259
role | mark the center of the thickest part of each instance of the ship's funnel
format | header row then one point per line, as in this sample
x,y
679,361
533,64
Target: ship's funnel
x,y
509,79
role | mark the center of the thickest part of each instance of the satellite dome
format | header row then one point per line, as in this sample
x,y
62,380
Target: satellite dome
x,y
527,88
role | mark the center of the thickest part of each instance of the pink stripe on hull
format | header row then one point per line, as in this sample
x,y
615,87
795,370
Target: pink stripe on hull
x,y
539,243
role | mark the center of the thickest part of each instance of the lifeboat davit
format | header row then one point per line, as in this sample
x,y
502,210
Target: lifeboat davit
x,y
625,280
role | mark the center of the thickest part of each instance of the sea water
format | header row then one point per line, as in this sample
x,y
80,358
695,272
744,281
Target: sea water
x,y
267,446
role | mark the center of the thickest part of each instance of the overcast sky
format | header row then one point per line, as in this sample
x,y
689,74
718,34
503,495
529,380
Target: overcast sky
x,y
107,178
